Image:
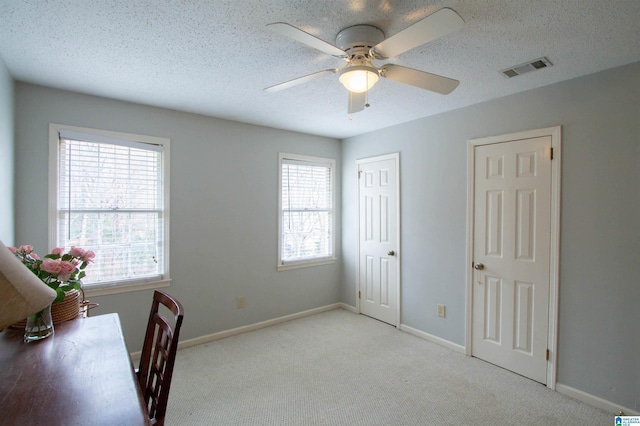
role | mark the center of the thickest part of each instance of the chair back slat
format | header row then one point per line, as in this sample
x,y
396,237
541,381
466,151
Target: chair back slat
x,y
159,354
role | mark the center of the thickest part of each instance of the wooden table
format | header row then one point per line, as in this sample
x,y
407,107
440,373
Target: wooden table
x,y
82,375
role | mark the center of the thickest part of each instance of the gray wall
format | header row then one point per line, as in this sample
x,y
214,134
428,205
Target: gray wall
x,y
6,159
599,304
224,179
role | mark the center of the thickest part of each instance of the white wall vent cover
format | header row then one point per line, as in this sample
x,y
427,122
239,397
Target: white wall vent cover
x,y
536,64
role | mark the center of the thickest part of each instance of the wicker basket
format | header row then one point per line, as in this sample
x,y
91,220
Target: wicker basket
x,y
65,310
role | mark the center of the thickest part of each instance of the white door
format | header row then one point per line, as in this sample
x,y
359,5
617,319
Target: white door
x,y
511,255
379,240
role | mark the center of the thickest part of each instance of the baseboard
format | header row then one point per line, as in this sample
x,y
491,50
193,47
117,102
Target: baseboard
x,y
247,328
251,327
348,308
135,356
594,401
433,339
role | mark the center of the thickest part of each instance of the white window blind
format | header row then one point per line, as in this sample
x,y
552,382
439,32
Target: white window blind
x,y
111,201
307,210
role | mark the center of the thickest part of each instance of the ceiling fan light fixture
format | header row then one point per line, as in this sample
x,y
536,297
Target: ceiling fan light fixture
x,y
359,78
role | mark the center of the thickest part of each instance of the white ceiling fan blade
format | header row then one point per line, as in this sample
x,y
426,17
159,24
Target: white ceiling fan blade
x,y
434,26
356,102
306,38
421,79
300,80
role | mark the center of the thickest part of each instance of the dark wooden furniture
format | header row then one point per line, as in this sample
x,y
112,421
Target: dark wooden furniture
x,y
82,375
159,354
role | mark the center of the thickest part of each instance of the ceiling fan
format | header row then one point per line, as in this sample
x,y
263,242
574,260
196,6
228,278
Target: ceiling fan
x,y
359,45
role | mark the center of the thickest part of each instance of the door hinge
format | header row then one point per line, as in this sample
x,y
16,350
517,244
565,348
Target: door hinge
x,y
358,294
552,153
359,173
547,356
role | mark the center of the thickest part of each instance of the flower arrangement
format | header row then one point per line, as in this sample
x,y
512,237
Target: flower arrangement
x,y
59,270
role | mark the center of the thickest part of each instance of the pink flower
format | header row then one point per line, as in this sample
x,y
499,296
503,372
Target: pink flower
x,y
66,268
52,266
52,269
76,251
89,256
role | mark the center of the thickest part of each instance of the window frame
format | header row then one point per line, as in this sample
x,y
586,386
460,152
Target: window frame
x,y
111,287
303,263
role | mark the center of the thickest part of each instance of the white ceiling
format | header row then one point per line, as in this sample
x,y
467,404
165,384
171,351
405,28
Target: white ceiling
x,y
215,57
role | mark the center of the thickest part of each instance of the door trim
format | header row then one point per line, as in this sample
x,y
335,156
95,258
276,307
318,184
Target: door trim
x,y
394,156
554,252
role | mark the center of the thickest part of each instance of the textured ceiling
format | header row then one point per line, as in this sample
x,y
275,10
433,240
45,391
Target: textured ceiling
x,y
216,57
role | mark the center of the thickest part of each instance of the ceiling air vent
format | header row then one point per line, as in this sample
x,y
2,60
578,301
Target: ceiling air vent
x,y
536,64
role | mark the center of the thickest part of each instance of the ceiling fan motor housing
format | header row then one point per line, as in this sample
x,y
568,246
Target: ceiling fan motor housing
x,y
359,39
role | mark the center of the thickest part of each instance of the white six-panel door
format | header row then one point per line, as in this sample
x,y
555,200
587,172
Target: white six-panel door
x,y
511,255
378,241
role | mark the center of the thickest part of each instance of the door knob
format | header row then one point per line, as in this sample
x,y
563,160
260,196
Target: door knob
x,y
391,253
478,266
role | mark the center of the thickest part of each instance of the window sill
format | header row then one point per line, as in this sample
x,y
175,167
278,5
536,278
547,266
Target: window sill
x,y
306,264
124,288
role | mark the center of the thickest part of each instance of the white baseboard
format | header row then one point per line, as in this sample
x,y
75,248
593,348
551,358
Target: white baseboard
x,y
135,356
348,308
251,327
594,401
433,339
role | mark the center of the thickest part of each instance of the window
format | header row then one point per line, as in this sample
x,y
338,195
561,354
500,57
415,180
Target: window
x,y
306,211
109,194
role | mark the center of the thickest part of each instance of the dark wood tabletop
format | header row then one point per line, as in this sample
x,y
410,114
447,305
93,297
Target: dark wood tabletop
x,y
82,375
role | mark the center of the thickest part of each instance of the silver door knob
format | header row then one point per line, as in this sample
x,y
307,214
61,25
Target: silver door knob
x,y
391,253
478,266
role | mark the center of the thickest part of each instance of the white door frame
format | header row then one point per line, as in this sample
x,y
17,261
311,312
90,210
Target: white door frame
x,y
394,156
554,268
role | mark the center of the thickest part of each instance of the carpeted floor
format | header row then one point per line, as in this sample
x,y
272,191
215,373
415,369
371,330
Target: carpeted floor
x,y
339,368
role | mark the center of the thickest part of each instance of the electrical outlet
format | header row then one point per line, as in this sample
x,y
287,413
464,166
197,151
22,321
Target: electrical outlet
x,y
240,302
441,311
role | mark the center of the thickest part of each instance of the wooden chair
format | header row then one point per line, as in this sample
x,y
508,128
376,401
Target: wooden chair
x,y
158,356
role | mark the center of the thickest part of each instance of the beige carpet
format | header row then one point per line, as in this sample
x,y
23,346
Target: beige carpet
x,y
339,368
